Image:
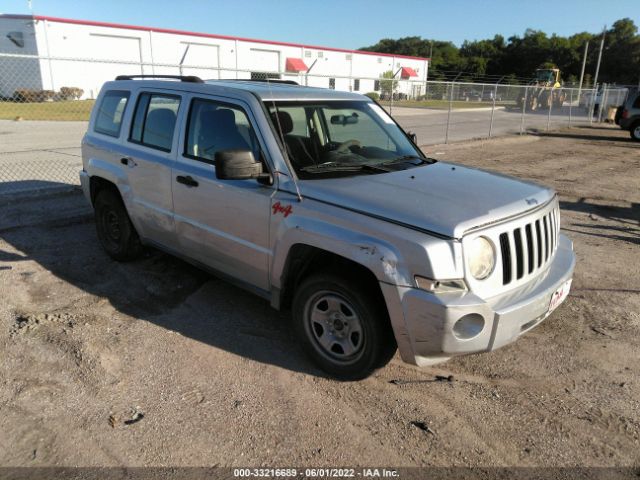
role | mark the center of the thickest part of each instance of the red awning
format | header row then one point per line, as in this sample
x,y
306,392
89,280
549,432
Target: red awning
x,y
296,65
408,72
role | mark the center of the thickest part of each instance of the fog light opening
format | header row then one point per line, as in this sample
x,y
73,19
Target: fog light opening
x,y
469,326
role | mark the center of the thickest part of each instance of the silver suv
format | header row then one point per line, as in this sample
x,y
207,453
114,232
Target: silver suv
x,y
318,201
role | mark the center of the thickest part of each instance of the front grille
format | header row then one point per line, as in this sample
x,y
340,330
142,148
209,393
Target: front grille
x,y
527,249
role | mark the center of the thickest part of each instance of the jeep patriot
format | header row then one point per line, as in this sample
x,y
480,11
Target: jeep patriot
x,y
318,201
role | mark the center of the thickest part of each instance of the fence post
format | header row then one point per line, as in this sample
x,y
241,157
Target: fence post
x,y
603,101
570,104
592,104
446,135
550,107
493,106
524,107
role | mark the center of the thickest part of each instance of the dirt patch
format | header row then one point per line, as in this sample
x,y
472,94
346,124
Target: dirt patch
x,y
156,363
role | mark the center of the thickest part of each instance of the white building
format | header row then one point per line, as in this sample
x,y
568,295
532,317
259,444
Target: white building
x,y
84,54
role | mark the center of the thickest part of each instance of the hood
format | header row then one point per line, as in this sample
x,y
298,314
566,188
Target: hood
x,y
443,198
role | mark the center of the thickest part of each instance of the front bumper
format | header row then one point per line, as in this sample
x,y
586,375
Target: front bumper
x,y
85,184
426,335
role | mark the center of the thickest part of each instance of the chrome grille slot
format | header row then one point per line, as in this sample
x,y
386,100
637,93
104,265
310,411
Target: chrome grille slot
x,y
506,258
519,256
528,248
530,251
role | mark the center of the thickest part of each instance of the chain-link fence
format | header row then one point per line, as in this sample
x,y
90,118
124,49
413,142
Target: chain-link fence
x,y
45,103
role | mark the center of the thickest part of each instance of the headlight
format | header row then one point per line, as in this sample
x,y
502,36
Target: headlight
x,y
481,258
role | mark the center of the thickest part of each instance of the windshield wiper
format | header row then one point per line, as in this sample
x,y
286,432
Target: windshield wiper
x,y
337,167
404,159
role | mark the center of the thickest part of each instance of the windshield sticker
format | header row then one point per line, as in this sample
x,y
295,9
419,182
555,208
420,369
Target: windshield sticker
x,y
381,113
279,208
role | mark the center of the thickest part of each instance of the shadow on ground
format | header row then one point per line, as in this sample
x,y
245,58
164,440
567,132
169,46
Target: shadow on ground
x,y
627,219
622,138
158,288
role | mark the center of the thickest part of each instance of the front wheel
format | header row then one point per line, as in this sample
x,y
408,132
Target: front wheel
x,y
343,326
635,131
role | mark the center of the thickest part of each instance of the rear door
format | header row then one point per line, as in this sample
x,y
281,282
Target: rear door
x,y
222,223
148,158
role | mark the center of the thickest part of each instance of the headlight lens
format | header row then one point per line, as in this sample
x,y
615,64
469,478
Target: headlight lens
x,y
481,258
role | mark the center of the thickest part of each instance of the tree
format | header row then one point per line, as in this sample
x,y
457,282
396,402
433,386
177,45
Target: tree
x,y
518,57
388,86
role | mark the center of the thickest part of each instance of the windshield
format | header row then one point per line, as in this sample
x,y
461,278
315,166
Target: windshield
x,y
546,75
345,138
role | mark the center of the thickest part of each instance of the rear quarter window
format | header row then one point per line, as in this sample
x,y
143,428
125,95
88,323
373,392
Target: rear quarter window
x,y
110,112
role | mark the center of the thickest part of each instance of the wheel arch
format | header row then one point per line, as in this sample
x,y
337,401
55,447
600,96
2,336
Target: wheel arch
x,y
304,259
97,184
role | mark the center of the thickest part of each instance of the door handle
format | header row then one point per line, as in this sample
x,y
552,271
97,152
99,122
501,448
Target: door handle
x,y
188,181
128,161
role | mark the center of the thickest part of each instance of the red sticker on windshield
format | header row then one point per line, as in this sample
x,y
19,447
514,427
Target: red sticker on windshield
x,y
279,208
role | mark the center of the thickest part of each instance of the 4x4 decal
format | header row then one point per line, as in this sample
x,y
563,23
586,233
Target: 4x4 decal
x,y
279,208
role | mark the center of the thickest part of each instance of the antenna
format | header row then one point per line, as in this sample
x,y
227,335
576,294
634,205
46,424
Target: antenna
x,y
284,145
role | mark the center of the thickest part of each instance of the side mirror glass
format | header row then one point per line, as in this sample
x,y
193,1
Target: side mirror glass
x,y
238,165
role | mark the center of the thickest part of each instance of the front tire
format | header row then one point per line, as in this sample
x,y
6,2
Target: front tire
x,y
114,228
343,326
635,131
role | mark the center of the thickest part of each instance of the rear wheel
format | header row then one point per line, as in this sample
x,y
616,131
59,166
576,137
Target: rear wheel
x,y
343,326
114,228
635,131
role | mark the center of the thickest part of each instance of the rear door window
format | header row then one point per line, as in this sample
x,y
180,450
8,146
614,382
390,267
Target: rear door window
x,y
110,112
154,120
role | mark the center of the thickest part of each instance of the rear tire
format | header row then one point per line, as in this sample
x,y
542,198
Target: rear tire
x,y
634,131
343,326
114,228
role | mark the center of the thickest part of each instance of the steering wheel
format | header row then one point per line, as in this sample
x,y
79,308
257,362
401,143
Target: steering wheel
x,y
344,146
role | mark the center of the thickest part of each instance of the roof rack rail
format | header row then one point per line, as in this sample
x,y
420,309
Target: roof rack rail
x,y
182,78
264,80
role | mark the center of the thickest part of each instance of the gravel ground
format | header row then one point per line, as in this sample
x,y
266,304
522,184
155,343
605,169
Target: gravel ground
x,y
155,363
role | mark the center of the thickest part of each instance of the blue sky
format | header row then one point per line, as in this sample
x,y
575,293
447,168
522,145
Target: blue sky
x,y
346,23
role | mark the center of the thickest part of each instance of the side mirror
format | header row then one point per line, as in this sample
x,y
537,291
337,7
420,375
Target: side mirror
x,y
238,165
413,137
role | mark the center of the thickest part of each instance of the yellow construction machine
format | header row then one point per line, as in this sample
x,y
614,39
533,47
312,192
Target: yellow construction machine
x,y
545,93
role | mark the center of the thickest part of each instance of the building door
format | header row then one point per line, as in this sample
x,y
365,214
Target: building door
x,y
199,55
263,61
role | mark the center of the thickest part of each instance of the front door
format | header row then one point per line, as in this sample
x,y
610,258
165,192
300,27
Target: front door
x,y
221,223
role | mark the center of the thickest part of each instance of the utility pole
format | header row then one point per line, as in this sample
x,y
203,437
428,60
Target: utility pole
x,y
584,63
594,97
595,80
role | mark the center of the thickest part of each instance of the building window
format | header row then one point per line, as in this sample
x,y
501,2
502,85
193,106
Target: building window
x,y
320,54
307,53
348,56
356,85
109,117
155,120
332,83
379,60
265,76
17,38
376,85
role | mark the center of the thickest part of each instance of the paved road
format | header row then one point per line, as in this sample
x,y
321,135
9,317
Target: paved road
x,y
39,154
431,125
